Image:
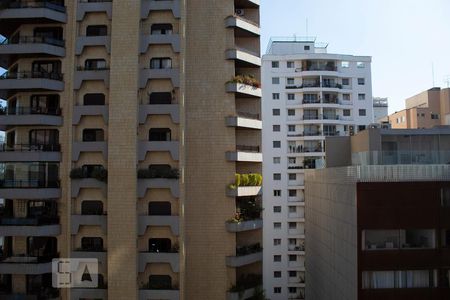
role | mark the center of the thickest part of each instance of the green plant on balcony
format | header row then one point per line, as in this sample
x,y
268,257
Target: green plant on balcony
x,y
101,174
251,179
171,173
249,249
246,79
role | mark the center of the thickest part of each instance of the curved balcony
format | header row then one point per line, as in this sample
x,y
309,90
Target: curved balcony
x,y
159,109
146,294
96,6
171,221
88,41
243,260
145,184
26,153
159,257
26,265
12,49
79,147
160,5
243,90
88,74
87,220
29,189
242,26
29,81
148,74
89,110
245,154
244,191
30,226
244,225
160,39
159,146
243,58
245,120
29,116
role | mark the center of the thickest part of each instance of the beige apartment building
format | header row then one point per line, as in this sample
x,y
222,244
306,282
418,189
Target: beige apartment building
x,y
425,110
133,137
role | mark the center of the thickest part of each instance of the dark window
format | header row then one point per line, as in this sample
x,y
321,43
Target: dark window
x,y
277,274
42,209
161,29
49,33
276,144
161,98
92,207
159,245
44,137
89,170
5,283
94,99
95,64
93,135
160,282
52,68
41,246
159,134
45,104
159,209
277,258
161,63
92,244
307,47
160,169
292,193
97,30
445,197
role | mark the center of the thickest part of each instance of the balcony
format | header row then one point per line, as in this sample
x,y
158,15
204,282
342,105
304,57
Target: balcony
x,y
245,256
245,153
153,257
89,293
243,58
90,74
242,26
26,153
89,110
18,12
38,226
29,189
87,183
171,221
79,147
29,116
159,146
12,49
154,5
100,255
30,81
148,74
245,287
245,120
87,220
159,109
89,41
26,265
146,294
145,184
90,6
160,39
244,191
244,225
243,90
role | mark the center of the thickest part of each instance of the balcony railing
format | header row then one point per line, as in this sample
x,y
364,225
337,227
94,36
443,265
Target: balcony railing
x,y
92,68
301,149
28,258
317,68
53,5
331,133
332,85
33,40
246,148
30,111
304,85
11,221
28,183
32,147
32,74
248,115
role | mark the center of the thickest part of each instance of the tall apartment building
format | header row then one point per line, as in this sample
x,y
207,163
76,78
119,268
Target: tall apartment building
x,y
424,110
308,95
379,217
126,122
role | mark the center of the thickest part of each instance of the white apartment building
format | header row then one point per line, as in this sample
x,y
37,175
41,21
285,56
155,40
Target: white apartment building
x,y
307,94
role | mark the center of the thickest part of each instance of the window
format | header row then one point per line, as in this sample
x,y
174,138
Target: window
x,y
292,209
292,290
93,135
360,65
160,98
291,128
345,64
291,112
276,242
277,144
307,48
275,112
89,207
346,97
96,30
94,99
361,127
276,96
292,257
346,112
277,258
276,193
95,64
445,197
40,104
292,193
275,64
277,176
361,81
276,128
160,282
159,134
276,225
290,81
291,96
276,160
292,274
292,225
292,176
159,208
275,80
361,96
161,29
292,160
277,274
47,67
161,63
362,112
92,244
398,279
434,116
290,64
277,209
277,290
157,245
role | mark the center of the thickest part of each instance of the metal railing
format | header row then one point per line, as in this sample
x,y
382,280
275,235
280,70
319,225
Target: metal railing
x,y
33,40
42,220
30,148
32,74
246,148
92,68
249,115
53,5
30,111
28,183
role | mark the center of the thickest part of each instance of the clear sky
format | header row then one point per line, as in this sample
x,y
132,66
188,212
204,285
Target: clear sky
x,y
404,37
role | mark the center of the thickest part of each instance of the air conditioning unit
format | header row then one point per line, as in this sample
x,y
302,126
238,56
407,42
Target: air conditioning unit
x,y
239,12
